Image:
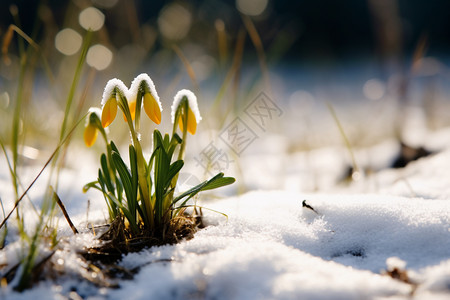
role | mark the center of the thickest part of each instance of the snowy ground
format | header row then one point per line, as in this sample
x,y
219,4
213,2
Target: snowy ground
x,y
271,247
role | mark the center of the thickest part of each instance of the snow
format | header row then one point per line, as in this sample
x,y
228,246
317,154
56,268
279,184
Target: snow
x,y
192,102
134,88
109,89
131,93
93,110
271,247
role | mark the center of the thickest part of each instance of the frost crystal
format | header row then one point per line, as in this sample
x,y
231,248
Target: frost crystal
x,y
192,101
109,89
134,88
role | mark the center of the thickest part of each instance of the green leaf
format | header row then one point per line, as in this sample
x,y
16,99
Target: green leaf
x,y
119,189
106,177
141,211
92,184
101,178
114,148
157,139
219,182
215,182
162,165
125,176
177,138
132,203
174,142
131,219
112,207
173,170
166,141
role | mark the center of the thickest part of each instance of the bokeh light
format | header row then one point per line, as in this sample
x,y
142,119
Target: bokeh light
x,y
91,19
68,41
99,57
251,7
203,66
4,100
105,3
174,21
427,66
301,101
374,89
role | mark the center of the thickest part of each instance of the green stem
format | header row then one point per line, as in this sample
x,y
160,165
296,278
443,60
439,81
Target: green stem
x,y
182,110
185,107
141,163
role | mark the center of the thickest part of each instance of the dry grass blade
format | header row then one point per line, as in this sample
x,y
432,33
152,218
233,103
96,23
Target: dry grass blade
x,y
41,171
256,40
64,211
221,40
419,53
235,67
8,38
7,41
188,67
356,170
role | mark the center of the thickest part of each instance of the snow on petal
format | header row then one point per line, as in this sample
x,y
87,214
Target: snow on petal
x,y
93,110
135,85
192,102
110,87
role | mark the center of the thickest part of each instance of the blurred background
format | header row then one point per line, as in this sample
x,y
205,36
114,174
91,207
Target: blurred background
x,y
381,64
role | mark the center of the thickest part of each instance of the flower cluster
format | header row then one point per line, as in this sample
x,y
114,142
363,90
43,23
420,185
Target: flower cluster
x,y
142,190
142,93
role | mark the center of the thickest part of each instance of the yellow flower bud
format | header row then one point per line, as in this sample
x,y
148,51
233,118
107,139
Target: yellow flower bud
x,y
90,135
132,107
191,122
152,108
109,112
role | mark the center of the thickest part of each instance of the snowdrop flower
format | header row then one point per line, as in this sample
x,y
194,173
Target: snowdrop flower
x,y
92,126
114,88
193,113
142,85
